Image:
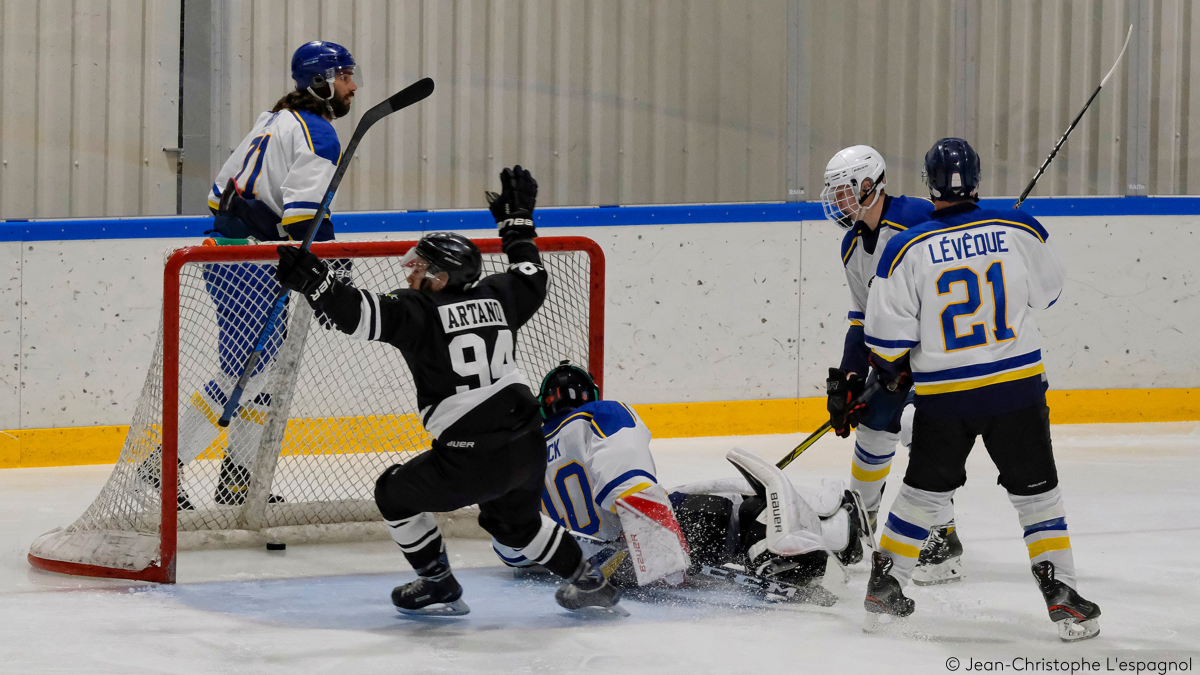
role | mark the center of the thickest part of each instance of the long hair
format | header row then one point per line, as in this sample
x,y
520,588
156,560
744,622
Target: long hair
x,y
299,101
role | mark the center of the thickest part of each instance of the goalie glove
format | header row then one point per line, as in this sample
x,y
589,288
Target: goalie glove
x,y
305,273
842,389
513,207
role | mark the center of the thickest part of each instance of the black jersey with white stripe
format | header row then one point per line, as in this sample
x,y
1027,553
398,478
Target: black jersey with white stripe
x,y
458,346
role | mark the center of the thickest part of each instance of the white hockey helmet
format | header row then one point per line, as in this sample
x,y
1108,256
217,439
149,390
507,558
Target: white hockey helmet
x,y
844,196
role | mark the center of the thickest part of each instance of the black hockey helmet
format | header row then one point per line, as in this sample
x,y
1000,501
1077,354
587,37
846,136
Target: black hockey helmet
x,y
453,254
566,388
952,170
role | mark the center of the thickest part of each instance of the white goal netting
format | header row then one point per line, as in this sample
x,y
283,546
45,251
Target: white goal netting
x,y
319,421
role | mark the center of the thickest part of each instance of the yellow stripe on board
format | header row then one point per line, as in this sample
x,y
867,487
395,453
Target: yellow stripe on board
x,y
70,446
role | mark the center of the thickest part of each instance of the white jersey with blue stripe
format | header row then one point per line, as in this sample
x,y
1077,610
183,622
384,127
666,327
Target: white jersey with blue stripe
x,y
286,162
956,296
597,453
861,251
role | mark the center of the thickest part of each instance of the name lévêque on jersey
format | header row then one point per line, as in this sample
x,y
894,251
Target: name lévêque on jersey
x,y
968,245
472,314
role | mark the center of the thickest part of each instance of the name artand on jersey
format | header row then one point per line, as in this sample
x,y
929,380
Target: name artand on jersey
x,y
472,314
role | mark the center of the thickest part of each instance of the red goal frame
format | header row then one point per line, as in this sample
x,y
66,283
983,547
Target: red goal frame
x,y
163,571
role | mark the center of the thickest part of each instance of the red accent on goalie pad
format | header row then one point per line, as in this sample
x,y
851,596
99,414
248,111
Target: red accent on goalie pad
x,y
660,513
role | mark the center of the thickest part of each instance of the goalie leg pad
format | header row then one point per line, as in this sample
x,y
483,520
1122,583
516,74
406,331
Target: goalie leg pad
x,y
793,528
656,543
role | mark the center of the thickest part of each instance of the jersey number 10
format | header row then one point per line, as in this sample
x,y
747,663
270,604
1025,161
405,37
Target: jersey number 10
x,y
978,335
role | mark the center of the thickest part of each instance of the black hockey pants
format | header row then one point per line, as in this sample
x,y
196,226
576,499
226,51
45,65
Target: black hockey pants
x,y
503,472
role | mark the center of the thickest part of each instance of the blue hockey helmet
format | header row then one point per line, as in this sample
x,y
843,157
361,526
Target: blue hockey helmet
x,y
315,64
952,170
566,388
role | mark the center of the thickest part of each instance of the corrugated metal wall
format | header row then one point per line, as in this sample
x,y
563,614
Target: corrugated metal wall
x,y
609,101
88,97
629,101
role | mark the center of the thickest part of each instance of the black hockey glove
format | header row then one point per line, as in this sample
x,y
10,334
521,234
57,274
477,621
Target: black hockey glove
x,y
842,389
513,207
305,273
340,269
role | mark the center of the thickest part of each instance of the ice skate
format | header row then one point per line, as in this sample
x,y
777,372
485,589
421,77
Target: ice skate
x,y
148,472
941,557
437,595
884,598
861,527
1076,618
588,591
234,484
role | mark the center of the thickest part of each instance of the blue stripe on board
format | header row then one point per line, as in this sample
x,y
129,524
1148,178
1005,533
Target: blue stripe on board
x,y
480,219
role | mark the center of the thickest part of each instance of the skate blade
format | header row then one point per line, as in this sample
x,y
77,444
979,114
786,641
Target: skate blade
x,y
593,612
1071,630
456,608
946,572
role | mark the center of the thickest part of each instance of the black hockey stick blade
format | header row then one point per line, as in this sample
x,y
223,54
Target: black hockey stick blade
x,y
413,93
1063,139
866,395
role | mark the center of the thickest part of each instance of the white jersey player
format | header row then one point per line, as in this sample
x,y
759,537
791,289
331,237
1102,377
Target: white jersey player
x,y
601,483
268,190
855,197
952,308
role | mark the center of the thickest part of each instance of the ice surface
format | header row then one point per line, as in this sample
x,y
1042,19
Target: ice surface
x,y
1132,505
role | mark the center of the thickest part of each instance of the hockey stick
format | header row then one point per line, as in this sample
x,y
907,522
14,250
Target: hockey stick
x,y
1029,188
738,576
866,395
413,93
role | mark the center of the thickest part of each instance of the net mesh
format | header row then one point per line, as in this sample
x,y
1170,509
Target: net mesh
x,y
309,440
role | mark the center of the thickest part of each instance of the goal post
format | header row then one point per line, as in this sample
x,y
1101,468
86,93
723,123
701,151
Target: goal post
x,y
320,420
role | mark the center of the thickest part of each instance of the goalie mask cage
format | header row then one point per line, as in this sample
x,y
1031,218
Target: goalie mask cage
x,y
320,421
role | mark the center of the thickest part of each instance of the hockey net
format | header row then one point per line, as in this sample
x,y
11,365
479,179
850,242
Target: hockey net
x,y
331,413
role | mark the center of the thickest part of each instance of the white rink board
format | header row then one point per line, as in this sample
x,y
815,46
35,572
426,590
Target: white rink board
x,y
10,335
694,313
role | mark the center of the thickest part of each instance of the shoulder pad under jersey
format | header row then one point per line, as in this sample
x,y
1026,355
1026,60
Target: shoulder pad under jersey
x,y
321,137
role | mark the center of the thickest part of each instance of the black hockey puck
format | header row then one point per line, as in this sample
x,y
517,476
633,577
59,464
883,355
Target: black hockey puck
x,y
276,546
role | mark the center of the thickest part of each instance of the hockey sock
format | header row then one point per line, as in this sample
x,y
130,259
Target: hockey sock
x,y
873,453
913,513
1044,519
419,539
553,549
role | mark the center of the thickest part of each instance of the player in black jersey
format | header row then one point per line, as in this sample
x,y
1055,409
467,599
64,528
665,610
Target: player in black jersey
x,y
456,332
